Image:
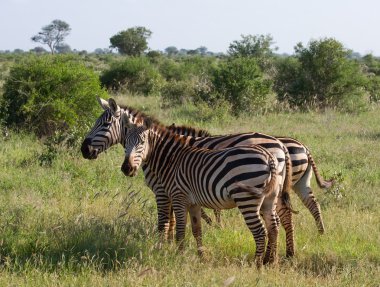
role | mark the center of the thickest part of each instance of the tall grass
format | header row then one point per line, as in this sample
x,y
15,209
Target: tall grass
x,y
82,223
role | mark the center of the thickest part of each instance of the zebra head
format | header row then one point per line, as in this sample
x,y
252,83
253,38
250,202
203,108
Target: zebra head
x,y
136,145
105,132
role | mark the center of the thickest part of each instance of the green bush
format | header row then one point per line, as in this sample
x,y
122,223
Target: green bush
x,y
373,88
178,92
322,75
199,66
372,69
241,82
135,74
287,78
49,93
172,70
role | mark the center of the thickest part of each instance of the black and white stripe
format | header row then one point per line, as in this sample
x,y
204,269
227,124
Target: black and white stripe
x,y
245,177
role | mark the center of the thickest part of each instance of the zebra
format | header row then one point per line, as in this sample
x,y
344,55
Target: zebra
x,y
108,131
241,176
303,166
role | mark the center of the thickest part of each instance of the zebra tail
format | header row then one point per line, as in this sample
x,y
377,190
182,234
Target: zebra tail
x,y
273,174
286,200
246,188
320,181
287,183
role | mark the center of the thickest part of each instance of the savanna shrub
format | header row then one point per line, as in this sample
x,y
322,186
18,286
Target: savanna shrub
x,y
372,70
178,92
322,75
135,74
373,88
49,93
287,79
199,66
240,82
172,70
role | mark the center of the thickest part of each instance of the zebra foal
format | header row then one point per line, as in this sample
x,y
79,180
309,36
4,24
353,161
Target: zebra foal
x,y
244,177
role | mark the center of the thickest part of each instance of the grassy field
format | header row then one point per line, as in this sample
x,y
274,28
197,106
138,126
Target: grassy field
x,y
82,223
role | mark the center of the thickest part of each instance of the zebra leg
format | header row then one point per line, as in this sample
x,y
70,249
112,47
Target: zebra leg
x,y
196,226
206,217
171,224
268,211
249,204
164,210
217,213
180,207
305,193
286,219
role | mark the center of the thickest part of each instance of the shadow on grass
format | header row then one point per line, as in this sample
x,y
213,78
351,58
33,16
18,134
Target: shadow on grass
x,y
324,265
375,136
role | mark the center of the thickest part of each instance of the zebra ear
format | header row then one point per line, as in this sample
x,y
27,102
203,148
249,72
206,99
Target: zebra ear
x,y
126,121
115,109
148,122
103,103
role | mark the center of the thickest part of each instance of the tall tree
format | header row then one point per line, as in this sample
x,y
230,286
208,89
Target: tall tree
x,y
132,42
53,34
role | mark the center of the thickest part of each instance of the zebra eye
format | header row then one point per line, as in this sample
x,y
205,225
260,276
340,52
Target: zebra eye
x,y
108,119
142,140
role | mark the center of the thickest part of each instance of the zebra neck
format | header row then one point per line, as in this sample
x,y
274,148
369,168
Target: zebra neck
x,y
123,130
165,150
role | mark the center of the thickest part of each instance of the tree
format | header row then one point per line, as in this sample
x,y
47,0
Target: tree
x,y
63,49
202,50
53,34
132,42
38,50
171,50
257,46
101,51
193,52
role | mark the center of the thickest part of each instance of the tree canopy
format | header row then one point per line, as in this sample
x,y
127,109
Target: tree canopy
x,y
53,34
321,75
132,42
252,46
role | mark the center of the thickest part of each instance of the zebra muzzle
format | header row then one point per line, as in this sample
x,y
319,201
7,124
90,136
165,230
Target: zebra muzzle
x,y
88,151
128,170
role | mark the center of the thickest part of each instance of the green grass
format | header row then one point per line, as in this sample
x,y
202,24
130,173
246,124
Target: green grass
x,y
82,223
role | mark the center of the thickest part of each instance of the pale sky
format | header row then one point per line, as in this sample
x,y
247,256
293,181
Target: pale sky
x,y
193,23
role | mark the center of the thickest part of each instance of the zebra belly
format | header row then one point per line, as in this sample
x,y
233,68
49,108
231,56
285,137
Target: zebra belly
x,y
222,200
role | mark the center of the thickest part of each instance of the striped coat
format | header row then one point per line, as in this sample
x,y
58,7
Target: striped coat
x,y
245,177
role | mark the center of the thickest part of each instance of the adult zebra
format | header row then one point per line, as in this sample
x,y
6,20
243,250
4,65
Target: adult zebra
x,y
303,166
108,131
245,177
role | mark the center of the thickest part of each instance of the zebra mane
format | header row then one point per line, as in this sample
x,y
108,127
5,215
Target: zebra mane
x,y
140,116
177,132
189,131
